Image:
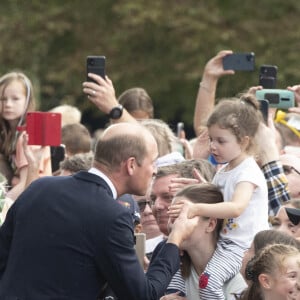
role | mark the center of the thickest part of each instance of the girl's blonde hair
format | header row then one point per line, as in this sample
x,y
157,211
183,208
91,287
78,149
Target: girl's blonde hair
x,y
8,135
270,260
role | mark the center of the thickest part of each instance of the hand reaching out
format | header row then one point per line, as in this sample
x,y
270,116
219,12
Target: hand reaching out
x,y
180,182
176,208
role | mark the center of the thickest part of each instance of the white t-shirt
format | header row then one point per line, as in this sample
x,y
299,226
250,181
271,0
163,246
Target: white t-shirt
x,y
241,230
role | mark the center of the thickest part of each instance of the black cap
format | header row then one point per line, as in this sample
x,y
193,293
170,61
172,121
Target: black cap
x,y
293,214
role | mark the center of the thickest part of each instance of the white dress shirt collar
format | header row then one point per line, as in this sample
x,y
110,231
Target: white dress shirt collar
x,y
106,179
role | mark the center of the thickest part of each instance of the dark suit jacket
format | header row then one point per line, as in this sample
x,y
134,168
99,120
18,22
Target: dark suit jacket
x,y
65,237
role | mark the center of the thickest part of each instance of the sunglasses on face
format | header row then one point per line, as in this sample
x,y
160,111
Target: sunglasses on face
x,y
142,204
288,170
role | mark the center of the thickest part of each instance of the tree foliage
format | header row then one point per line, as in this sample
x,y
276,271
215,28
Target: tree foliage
x,y
159,45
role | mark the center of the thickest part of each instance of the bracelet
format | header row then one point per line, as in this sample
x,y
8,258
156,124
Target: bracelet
x,y
204,87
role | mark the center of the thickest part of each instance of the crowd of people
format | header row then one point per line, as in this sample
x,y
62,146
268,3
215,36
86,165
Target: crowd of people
x,y
220,212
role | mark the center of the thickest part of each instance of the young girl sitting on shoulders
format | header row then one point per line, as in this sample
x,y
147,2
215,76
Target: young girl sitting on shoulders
x,y
16,95
231,127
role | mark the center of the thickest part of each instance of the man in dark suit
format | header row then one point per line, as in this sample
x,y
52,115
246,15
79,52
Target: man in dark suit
x,y
66,237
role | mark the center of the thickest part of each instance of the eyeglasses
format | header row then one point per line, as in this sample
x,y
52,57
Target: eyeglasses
x,y
142,204
288,170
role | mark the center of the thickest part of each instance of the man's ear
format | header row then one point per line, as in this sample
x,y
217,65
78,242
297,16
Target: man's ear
x,y
265,281
131,165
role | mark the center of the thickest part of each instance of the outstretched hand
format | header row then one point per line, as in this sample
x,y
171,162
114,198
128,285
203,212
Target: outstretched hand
x,y
178,183
181,206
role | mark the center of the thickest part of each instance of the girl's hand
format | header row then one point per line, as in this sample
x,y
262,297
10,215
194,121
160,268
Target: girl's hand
x,y
175,209
198,176
179,183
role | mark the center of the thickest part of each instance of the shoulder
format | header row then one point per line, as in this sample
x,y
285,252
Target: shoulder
x,y
234,286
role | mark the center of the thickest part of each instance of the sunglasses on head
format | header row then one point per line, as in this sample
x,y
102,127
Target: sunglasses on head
x,y
142,204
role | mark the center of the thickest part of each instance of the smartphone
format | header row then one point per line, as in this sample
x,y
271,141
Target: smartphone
x,y
57,155
180,129
268,76
239,61
96,65
264,108
282,99
140,247
43,128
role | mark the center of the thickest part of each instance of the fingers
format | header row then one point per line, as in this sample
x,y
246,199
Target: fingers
x,y
253,89
198,176
92,87
175,209
179,183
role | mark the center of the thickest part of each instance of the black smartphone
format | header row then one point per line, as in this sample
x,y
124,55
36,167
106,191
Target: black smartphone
x,y
239,61
57,155
264,108
268,76
96,65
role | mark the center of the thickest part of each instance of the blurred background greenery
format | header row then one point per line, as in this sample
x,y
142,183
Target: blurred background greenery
x,y
159,45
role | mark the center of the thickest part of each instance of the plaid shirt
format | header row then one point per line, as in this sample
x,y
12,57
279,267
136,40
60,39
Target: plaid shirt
x,y
277,186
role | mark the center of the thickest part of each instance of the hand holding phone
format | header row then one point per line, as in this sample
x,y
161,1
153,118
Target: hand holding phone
x,y
239,61
96,65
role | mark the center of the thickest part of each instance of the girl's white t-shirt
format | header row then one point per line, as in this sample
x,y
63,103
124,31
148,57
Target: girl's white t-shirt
x,y
241,230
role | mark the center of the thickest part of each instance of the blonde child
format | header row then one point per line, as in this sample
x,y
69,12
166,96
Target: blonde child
x,y
231,127
17,99
274,273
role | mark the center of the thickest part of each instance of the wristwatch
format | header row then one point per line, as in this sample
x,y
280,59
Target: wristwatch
x,y
116,112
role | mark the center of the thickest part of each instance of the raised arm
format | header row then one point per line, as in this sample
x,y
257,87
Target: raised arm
x,y
205,101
